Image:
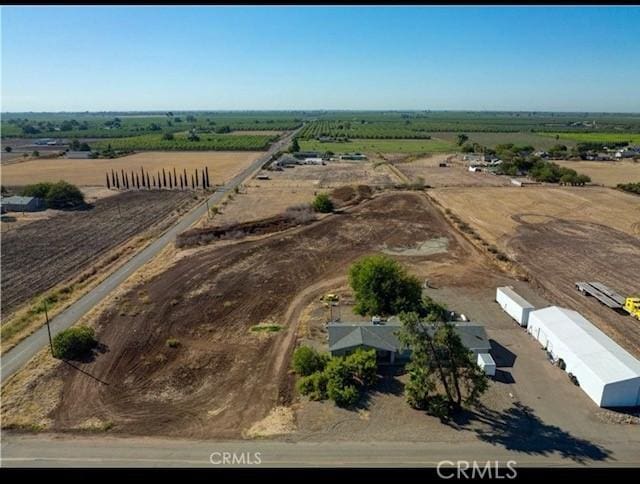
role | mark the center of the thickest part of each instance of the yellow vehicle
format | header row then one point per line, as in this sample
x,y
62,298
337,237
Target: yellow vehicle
x,y
329,298
632,306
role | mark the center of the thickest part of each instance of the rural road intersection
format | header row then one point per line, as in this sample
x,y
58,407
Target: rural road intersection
x,y
106,451
18,356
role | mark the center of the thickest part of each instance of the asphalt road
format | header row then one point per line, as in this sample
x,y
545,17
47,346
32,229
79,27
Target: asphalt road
x,y
18,356
104,451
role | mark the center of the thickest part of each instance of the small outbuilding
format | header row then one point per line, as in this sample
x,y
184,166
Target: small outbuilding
x,y
514,305
487,364
22,204
607,373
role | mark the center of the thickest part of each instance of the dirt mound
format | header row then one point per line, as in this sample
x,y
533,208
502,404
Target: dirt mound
x,y
349,195
293,217
222,378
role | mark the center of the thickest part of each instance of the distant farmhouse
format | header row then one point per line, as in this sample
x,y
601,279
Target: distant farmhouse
x,y
22,204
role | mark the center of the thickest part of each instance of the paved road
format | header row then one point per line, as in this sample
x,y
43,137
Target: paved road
x,y
104,451
17,357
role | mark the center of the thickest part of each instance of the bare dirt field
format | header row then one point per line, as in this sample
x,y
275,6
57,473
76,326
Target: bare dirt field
x,y
560,236
222,378
266,198
608,173
222,165
455,174
38,255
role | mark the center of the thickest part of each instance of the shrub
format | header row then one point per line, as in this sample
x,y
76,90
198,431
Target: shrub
x,y
173,343
314,386
306,361
74,343
322,203
340,385
363,365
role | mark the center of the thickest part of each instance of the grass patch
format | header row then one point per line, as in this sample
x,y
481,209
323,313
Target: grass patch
x,y
595,137
172,343
266,328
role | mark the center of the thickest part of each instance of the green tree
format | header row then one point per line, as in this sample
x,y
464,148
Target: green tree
x,y
363,365
8,149
443,375
295,146
322,203
74,145
168,136
35,154
383,287
74,343
306,361
462,139
341,387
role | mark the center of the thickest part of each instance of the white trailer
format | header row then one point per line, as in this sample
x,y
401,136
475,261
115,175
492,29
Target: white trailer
x,y
486,363
514,305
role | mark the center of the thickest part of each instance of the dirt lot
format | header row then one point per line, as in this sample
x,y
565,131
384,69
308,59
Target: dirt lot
x,y
293,186
561,236
38,255
608,173
455,174
222,378
222,166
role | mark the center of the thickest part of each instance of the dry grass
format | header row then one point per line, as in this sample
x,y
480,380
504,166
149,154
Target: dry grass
x,y
280,421
608,173
222,166
494,211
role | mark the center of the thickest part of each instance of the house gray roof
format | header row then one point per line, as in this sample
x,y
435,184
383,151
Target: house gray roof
x,y
385,336
18,200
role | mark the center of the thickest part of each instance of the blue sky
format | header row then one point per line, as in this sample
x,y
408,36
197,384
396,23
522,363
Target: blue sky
x,y
157,58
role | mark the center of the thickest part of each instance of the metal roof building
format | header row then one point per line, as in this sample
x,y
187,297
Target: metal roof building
x,y
22,204
604,370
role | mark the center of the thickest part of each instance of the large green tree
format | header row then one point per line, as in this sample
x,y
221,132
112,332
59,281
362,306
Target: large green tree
x,y
443,375
383,287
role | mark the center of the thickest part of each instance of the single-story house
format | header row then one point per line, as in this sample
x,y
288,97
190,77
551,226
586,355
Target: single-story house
x,y
22,204
606,372
353,156
345,337
79,155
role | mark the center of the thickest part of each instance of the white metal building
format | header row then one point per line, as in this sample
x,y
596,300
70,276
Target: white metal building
x,y
605,371
486,362
514,305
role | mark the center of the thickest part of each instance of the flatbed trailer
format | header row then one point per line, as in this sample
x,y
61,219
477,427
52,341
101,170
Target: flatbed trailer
x,y
602,293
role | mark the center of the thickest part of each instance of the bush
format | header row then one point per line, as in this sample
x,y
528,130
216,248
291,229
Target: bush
x,y
74,343
322,203
363,365
173,343
340,385
314,386
306,361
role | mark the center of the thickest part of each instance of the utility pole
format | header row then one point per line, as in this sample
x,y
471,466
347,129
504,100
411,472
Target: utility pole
x,y
46,315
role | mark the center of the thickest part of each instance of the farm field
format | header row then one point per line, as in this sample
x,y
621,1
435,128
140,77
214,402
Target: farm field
x,y
454,174
39,255
222,166
561,236
540,141
370,146
632,138
608,173
223,378
293,186
206,142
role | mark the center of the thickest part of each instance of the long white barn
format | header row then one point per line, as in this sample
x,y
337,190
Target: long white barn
x,y
605,371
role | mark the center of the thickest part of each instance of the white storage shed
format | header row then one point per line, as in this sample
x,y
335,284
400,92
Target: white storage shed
x,y
485,361
604,370
514,305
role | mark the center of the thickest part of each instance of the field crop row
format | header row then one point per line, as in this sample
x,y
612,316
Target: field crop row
x,y
214,142
410,146
596,137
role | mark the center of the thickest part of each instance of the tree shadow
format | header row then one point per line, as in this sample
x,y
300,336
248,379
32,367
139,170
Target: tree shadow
x,y
501,355
387,382
90,357
519,429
